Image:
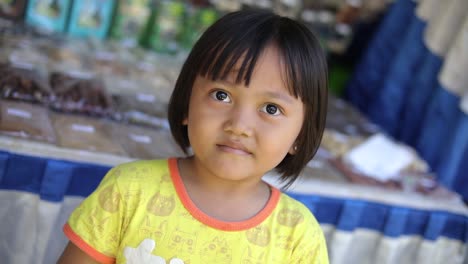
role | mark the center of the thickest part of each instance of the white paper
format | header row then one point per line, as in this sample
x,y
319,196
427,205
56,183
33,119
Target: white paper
x,y
379,157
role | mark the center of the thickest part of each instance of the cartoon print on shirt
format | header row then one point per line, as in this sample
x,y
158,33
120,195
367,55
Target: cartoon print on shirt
x,y
112,241
217,251
109,199
183,241
259,235
185,214
161,205
291,218
307,253
284,242
116,172
249,257
148,230
131,194
95,223
138,176
166,178
142,254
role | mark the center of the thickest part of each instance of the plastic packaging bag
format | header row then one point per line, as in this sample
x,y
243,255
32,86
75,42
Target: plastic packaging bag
x,y
84,133
136,103
144,143
77,92
20,82
26,120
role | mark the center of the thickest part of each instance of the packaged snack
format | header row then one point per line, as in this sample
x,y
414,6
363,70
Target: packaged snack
x,y
129,21
338,144
158,72
320,168
91,18
140,118
136,102
84,133
21,82
146,103
48,15
79,92
106,62
144,143
12,9
68,56
26,52
165,26
26,120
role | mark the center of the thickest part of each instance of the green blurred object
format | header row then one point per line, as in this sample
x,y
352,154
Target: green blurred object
x,y
164,29
198,19
338,77
130,20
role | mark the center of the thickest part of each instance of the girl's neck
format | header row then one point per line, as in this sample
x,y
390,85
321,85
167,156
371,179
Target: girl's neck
x,y
194,174
239,200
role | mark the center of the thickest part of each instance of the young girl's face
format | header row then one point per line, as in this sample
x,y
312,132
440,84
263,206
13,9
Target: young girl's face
x,y
239,133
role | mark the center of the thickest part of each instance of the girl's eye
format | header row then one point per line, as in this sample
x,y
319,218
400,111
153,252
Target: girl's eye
x,y
221,96
271,109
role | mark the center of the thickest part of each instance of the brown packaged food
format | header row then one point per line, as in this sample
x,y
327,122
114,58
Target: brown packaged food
x,y
106,63
65,58
141,102
144,143
84,133
13,10
26,120
79,95
21,83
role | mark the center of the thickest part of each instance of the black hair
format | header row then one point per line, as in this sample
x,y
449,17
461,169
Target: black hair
x,y
244,35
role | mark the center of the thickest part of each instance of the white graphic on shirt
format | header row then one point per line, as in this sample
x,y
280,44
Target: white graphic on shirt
x,y
142,254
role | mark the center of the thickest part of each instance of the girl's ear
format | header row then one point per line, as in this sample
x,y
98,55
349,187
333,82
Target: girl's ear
x,y
293,149
185,121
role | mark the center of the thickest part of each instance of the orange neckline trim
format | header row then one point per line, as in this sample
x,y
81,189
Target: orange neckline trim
x,y
213,222
80,243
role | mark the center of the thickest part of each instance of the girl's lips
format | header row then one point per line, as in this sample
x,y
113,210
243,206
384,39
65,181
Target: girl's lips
x,y
234,148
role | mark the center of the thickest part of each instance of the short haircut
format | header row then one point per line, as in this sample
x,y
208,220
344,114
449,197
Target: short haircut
x,y
244,35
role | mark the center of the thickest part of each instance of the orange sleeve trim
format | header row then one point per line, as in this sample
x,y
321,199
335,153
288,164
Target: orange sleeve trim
x,y
80,243
213,222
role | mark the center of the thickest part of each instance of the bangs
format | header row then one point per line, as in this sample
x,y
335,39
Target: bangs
x,y
235,49
239,59
232,56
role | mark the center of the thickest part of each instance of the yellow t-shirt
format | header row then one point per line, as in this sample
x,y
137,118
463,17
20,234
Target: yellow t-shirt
x,y
141,213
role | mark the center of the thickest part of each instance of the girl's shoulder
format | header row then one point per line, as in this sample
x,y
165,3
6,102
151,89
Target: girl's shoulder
x,y
143,165
140,171
294,210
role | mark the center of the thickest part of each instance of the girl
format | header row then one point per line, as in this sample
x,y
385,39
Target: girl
x,y
251,97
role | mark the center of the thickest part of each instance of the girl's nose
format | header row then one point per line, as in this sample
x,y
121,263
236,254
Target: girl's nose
x,y
240,121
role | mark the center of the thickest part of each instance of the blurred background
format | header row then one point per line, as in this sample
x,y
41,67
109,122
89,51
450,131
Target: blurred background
x,y
84,86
